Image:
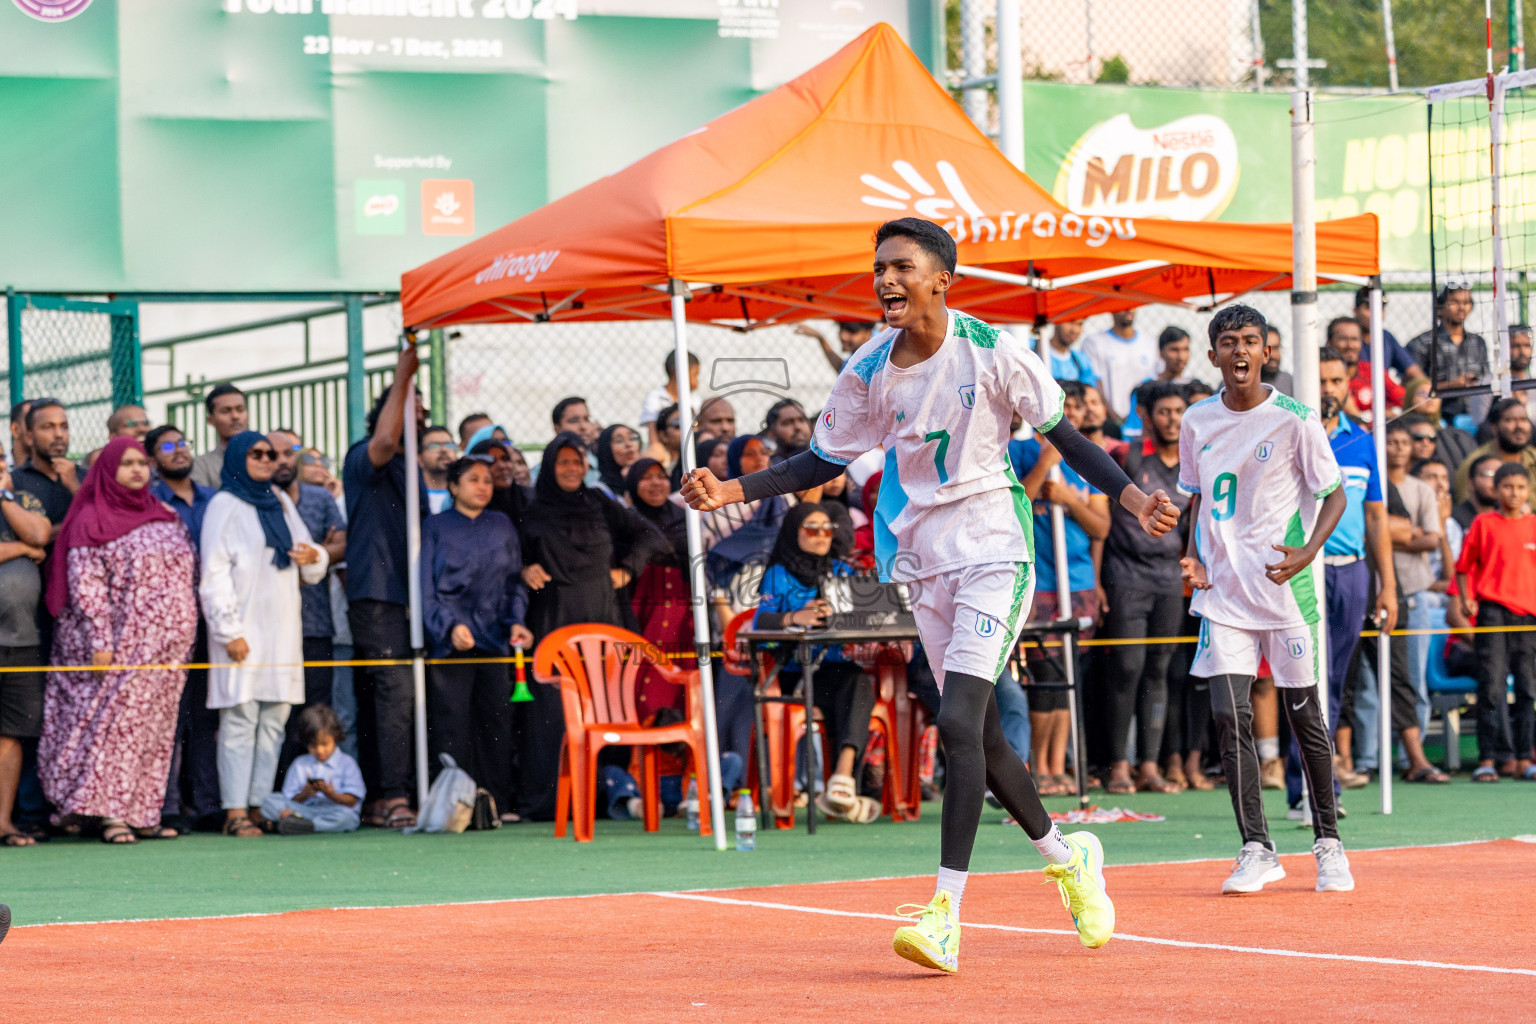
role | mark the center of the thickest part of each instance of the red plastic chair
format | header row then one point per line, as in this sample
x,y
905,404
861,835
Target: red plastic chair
x,y
596,666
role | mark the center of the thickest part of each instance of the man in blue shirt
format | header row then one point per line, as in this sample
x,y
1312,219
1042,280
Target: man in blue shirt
x,y
1066,361
1362,531
194,758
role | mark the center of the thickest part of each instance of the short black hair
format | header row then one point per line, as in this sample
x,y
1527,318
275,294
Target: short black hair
x,y
1363,296
378,408
1235,318
458,467
219,391
1197,387
1329,354
558,413
432,428
1508,470
467,420
1398,426
287,430
1501,406
1073,389
319,720
1515,329
1171,335
1449,288
39,404
1418,467
1339,320
771,419
666,414
152,439
927,235
670,363
1154,391
19,410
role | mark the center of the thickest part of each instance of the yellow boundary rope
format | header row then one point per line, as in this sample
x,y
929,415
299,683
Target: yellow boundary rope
x,y
522,659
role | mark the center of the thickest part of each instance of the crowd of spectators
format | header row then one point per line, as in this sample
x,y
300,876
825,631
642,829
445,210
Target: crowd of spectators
x,y
269,561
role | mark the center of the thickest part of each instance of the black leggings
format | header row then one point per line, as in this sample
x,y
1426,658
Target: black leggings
x,y
469,718
1137,678
1232,705
846,696
979,758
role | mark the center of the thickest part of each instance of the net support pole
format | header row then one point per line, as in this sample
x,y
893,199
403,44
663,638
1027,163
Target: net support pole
x,y
696,582
1304,305
1500,353
1257,43
1010,84
973,61
1391,43
1379,438
1068,639
413,586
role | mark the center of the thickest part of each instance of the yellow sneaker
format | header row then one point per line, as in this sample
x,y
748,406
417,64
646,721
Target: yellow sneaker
x,y
1081,883
935,940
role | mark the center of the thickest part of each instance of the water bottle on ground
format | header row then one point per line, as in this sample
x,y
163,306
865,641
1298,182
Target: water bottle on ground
x,y
691,804
746,822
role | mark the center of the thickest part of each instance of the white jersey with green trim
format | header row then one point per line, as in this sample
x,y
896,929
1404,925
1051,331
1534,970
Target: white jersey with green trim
x,y
1261,476
948,496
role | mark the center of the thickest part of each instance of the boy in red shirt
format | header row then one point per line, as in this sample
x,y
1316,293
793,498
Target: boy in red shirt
x,y
1495,572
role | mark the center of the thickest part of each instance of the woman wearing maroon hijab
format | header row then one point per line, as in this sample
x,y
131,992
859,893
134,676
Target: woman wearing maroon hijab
x,y
124,590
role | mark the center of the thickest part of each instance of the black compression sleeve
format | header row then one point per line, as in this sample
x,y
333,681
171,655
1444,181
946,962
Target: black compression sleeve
x,y
796,473
1091,462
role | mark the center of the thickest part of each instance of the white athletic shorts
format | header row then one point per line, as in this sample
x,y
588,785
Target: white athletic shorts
x,y
1231,651
969,618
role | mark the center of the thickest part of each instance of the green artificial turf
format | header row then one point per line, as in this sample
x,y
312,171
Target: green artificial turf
x,y
200,875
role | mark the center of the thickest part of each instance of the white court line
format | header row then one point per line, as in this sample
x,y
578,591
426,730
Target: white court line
x,y
1119,936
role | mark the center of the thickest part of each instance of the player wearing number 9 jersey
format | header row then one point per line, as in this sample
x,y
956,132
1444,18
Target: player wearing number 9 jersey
x,y
1266,496
938,391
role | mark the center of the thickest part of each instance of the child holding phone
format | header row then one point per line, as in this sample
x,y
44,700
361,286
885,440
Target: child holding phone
x,y
323,788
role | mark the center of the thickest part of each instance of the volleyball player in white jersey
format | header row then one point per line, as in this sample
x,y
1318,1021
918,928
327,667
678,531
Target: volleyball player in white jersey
x,y
1263,477
938,390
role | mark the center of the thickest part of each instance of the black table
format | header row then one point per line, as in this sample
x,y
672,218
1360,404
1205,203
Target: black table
x,y
805,640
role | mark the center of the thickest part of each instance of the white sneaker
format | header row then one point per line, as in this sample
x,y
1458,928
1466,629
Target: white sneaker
x,y
1256,866
1332,867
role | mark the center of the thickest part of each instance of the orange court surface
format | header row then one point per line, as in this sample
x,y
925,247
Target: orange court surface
x,y
1431,933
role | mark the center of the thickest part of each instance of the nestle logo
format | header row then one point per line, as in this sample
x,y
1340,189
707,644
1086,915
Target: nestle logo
x,y
1184,140
512,265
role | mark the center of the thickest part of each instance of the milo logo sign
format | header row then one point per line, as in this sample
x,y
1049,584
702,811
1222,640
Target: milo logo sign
x,y
1184,170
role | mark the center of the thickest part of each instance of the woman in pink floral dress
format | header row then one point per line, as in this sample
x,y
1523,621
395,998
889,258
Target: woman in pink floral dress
x,y
124,590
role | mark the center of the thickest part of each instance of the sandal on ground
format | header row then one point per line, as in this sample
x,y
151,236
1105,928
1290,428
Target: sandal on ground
x,y
1178,778
1120,787
1151,782
16,839
374,814
1485,773
1429,773
1201,782
117,833
399,815
865,811
1050,786
71,826
842,794
511,818
241,828
157,832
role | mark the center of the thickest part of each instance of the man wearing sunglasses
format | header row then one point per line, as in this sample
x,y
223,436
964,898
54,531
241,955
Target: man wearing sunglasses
x,y
195,760
128,421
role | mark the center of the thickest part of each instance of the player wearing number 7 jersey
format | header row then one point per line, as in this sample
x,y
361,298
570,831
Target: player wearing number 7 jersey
x,y
1263,480
938,390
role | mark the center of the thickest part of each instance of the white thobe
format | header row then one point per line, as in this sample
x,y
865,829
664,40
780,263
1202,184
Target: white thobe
x,y
244,596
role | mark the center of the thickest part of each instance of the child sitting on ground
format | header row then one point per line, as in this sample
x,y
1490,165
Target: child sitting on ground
x,y
323,788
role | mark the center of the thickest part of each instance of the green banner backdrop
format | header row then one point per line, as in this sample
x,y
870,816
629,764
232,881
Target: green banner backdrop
x,y
1146,152
317,145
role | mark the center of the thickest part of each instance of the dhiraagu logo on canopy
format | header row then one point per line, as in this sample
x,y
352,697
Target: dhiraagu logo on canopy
x,y
1186,169
380,205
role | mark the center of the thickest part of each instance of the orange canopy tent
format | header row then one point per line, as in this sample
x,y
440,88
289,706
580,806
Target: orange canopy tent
x,y
768,212
767,215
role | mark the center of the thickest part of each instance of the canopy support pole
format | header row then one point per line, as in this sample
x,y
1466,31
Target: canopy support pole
x,y
1384,638
1064,611
413,583
697,584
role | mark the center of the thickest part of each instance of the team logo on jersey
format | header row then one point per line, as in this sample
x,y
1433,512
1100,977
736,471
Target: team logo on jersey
x,y
968,397
901,416
1296,646
986,625
1264,450
826,417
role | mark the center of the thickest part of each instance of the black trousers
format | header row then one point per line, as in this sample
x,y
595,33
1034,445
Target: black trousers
x,y
1498,656
1405,699
469,718
193,783
317,690
1137,676
382,630
1232,706
846,696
